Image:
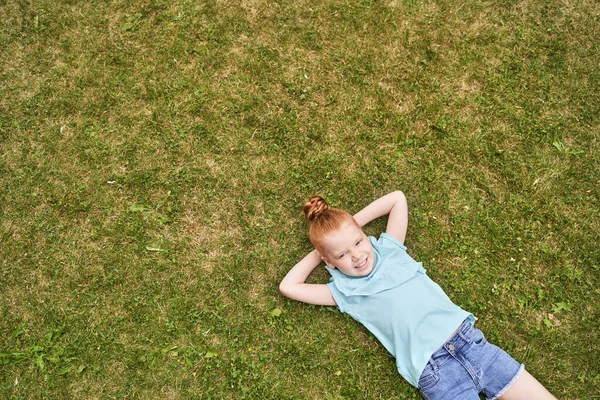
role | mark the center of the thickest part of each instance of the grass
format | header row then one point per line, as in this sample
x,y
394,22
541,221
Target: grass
x,y
156,155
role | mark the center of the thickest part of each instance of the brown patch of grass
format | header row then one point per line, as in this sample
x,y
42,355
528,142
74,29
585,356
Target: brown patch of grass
x,y
258,10
257,288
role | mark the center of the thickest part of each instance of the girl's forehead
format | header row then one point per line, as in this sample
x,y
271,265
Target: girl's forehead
x,y
346,233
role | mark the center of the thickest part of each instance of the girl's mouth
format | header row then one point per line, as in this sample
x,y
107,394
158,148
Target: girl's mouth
x,y
363,264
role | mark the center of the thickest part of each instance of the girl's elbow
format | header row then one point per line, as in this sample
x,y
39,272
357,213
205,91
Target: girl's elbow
x,y
284,289
399,194
399,198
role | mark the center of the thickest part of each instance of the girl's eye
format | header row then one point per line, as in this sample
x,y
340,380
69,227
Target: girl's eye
x,y
359,242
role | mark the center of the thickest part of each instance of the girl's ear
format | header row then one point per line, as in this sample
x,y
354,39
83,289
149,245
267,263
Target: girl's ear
x,y
326,261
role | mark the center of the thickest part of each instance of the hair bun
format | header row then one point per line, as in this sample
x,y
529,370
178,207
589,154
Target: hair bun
x,y
314,207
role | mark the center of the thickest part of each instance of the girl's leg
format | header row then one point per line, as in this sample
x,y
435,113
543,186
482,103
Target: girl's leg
x,y
527,388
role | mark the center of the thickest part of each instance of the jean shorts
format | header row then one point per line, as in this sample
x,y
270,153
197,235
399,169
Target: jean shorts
x,y
467,365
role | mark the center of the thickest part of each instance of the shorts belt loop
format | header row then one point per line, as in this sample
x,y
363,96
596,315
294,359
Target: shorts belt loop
x,y
434,364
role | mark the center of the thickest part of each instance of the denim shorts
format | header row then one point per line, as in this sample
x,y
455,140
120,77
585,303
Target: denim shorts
x,y
467,365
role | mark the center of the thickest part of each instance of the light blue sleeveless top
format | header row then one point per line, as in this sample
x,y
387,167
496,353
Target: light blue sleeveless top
x,y
406,311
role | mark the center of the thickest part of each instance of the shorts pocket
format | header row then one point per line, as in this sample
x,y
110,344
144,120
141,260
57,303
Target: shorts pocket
x,y
477,338
429,378
474,337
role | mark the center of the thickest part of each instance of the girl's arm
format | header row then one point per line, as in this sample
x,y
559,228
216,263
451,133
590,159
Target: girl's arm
x,y
293,284
393,204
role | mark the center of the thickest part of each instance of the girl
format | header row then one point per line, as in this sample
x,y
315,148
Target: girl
x,y
436,346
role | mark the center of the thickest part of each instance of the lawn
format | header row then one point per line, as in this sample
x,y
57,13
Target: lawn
x,y
155,156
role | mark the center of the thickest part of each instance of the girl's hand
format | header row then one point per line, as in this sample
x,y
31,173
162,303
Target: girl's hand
x,y
393,204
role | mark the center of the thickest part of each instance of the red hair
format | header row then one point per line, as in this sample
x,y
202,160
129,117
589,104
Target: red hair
x,y
324,220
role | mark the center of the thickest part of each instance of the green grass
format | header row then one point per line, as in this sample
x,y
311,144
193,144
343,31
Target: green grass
x,y
155,157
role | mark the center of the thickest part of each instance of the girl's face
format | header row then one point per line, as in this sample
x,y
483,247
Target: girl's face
x,y
349,250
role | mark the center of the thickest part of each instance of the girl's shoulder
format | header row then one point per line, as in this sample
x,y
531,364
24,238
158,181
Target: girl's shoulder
x,y
387,240
390,250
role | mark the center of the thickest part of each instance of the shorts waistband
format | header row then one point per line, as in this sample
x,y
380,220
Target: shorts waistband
x,y
458,337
